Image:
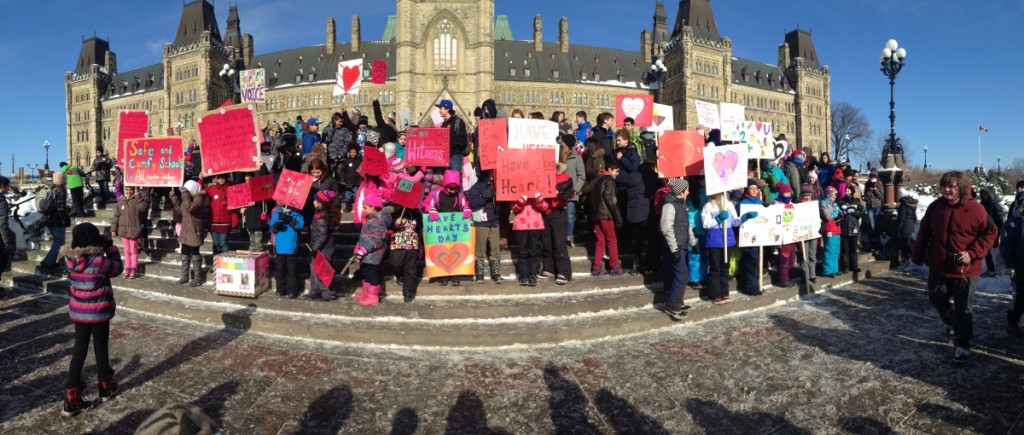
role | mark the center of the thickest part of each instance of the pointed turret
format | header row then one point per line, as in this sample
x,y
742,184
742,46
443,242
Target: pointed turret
x,y
802,45
197,17
697,15
94,52
233,37
660,25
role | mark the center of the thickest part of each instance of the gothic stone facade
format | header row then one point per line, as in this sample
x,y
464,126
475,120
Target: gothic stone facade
x,y
455,49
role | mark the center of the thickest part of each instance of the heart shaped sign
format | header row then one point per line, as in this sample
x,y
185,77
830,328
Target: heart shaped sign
x,y
448,259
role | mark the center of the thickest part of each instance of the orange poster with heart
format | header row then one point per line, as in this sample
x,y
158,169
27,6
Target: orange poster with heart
x,y
449,243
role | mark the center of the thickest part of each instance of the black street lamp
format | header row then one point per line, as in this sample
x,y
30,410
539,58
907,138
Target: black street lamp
x,y
999,164
46,146
926,157
658,70
230,78
892,63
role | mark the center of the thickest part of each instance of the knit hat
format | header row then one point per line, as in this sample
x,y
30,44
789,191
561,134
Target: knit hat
x,y
58,178
797,158
373,198
192,186
324,197
363,120
812,174
831,191
783,188
806,190
84,235
569,140
873,173
677,185
753,182
397,165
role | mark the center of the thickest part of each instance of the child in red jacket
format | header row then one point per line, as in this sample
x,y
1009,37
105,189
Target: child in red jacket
x,y
222,219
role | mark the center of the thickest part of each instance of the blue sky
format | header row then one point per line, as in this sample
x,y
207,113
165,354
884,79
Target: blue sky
x,y
963,65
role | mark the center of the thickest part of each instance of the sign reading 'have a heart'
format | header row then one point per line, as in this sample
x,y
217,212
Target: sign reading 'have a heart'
x,y
638,107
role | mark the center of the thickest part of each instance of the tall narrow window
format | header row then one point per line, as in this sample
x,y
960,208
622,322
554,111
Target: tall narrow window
x,y
446,47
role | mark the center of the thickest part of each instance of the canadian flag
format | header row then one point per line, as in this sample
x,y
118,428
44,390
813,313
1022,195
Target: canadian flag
x,y
982,129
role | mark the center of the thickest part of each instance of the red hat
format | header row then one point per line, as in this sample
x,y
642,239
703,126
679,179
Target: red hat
x,y
783,188
324,197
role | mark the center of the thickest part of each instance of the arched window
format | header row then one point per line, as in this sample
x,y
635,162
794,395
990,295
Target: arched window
x,y
446,47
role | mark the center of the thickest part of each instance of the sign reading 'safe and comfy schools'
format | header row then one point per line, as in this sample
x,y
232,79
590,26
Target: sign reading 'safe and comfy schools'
x,y
154,161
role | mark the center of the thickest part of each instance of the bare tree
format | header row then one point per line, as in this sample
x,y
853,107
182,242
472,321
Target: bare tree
x,y
874,156
851,133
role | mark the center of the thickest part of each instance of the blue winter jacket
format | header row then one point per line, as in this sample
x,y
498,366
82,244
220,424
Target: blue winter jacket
x,y
287,239
714,238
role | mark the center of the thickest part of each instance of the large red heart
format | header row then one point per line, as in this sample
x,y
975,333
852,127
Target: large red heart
x,y
448,258
349,77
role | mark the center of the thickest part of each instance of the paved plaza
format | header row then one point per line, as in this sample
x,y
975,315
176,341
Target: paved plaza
x,y
864,358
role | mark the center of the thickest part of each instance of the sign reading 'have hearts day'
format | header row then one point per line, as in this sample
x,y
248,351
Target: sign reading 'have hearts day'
x,y
350,77
407,193
154,161
131,124
427,146
638,107
449,245
725,168
292,189
493,135
230,140
680,154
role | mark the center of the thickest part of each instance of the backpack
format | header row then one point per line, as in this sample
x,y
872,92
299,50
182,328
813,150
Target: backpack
x,y
44,200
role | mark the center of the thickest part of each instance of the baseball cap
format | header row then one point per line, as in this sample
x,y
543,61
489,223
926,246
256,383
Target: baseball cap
x,y
447,104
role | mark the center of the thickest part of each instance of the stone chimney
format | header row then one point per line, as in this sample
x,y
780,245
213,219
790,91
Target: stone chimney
x,y
563,34
110,63
356,34
538,35
332,36
783,56
247,50
645,45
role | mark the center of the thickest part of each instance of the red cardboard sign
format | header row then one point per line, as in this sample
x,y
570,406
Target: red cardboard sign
x,y
680,153
262,188
131,124
240,195
379,71
323,270
374,161
525,172
639,107
427,146
407,193
229,140
292,189
493,135
154,161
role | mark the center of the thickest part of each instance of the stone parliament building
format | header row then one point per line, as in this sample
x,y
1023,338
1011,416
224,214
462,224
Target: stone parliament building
x,y
455,49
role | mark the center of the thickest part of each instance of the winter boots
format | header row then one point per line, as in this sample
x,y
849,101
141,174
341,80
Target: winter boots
x,y
197,271
108,389
369,295
496,271
73,403
479,271
186,261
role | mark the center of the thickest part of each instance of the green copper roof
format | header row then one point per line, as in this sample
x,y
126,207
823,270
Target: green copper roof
x,y
389,28
502,31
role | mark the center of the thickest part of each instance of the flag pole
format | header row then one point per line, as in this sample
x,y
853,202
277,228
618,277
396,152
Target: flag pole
x,y
979,149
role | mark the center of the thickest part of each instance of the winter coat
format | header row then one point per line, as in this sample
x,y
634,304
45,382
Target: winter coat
x,y
577,173
530,210
873,197
73,176
254,213
1011,244
829,211
638,204
387,131
6,235
772,175
630,160
906,218
993,208
695,209
675,224
440,201
286,239
583,131
222,219
406,236
481,201
366,187
793,175
58,214
129,216
852,210
321,236
308,140
714,228
89,271
458,138
825,174
337,140
947,229
603,204
101,167
607,140
194,212
563,189
348,170
373,238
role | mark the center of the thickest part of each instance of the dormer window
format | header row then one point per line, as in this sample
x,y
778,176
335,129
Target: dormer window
x,y
583,75
554,73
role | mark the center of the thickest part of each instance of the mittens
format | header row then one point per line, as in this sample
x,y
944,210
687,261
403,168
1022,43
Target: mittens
x,y
748,215
722,217
434,216
467,214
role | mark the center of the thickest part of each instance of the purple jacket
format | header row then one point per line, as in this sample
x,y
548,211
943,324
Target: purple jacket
x,y
89,270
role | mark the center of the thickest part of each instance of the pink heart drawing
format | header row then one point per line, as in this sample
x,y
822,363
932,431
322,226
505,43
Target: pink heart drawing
x,y
725,164
632,106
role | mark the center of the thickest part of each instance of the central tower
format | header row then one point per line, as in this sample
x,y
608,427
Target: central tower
x,y
444,49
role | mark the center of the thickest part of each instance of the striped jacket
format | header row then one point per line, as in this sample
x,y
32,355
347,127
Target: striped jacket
x,y
89,270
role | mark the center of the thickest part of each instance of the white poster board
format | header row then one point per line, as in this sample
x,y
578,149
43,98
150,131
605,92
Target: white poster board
x,y
662,120
725,168
764,230
707,115
533,134
802,222
756,136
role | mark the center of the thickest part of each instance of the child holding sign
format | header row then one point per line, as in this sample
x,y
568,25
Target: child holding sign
x,y
191,204
222,219
321,239
129,216
527,226
448,199
369,251
485,223
286,223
